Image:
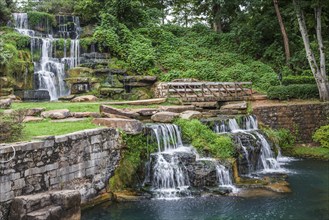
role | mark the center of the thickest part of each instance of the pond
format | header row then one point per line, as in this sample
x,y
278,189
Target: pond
x,y
309,180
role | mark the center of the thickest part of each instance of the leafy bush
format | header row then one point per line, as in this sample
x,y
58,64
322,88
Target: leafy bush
x,y
298,91
205,140
321,135
141,56
11,126
288,80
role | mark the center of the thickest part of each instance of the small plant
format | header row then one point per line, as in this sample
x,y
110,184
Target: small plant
x,y
11,126
321,135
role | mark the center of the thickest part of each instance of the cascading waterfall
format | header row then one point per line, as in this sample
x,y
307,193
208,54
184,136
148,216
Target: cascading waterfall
x,y
169,172
267,162
50,71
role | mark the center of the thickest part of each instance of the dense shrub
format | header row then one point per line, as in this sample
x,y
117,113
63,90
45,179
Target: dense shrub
x,y
322,136
205,140
288,80
298,91
11,126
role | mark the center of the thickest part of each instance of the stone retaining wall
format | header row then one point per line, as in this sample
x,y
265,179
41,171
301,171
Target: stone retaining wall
x,y
301,119
83,160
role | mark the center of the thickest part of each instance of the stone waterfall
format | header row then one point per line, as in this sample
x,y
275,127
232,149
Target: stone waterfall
x,y
49,67
176,169
256,150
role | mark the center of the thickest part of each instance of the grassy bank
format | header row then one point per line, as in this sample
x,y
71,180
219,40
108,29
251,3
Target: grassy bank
x,y
310,152
48,128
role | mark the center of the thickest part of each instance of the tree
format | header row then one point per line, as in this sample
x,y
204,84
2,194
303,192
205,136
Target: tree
x,y
283,31
319,71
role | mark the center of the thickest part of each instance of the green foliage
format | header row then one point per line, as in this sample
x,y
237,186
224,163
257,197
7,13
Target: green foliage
x,y
16,39
37,18
6,8
141,56
205,140
86,42
5,53
134,154
281,137
295,91
321,135
288,80
11,126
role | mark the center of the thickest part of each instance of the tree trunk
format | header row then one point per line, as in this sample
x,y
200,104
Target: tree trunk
x,y
318,73
323,81
283,31
217,25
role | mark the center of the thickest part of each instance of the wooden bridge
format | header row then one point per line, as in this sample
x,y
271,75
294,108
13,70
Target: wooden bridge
x,y
206,91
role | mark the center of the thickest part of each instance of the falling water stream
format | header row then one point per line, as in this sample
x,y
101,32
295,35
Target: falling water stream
x,y
50,71
170,176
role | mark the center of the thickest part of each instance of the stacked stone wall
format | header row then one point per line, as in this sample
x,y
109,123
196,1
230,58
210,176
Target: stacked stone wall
x,y
83,160
301,119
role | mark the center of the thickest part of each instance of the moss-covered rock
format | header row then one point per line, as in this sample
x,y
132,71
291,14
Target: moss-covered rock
x,y
79,72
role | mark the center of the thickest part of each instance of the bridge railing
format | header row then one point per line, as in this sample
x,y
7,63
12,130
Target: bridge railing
x,y
206,91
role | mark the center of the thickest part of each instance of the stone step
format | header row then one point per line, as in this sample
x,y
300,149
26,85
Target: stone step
x,y
46,213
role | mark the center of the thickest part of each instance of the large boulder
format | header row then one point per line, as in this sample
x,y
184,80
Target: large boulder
x,y
85,98
177,109
130,126
164,117
190,115
56,114
111,110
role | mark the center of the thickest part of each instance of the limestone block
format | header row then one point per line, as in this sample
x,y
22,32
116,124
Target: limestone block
x,y
146,111
34,111
130,126
85,98
32,119
112,110
164,117
56,114
176,109
86,114
190,115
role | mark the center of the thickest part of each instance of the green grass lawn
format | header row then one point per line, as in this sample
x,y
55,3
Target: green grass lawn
x,y
72,106
76,106
48,128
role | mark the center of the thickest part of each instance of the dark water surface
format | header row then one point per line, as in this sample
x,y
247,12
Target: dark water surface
x,y
309,200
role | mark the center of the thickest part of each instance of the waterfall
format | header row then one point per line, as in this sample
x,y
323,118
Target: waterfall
x,y
170,168
50,71
266,162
